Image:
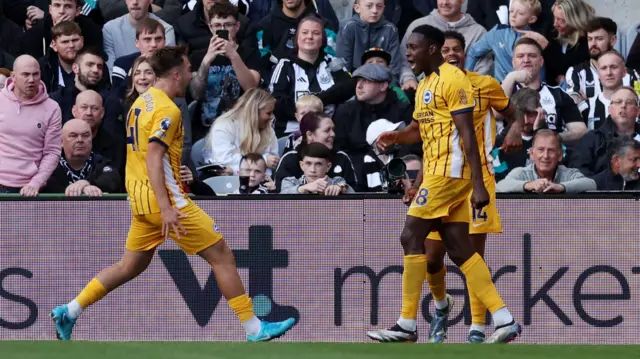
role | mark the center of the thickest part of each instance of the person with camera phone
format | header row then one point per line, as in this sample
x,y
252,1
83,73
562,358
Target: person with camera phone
x,y
383,171
253,175
227,69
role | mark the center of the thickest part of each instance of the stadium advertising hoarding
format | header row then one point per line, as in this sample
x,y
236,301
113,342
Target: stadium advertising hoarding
x,y
568,269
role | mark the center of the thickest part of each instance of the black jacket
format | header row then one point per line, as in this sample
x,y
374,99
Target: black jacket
x,y
38,38
609,181
289,166
103,175
484,13
557,63
66,98
14,10
50,72
112,147
591,153
11,35
6,60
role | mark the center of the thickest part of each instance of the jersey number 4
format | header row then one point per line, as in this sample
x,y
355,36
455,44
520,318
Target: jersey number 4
x,y
132,139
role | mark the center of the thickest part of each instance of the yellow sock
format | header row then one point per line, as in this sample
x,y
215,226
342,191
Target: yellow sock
x,y
414,268
241,305
93,292
479,282
437,283
478,310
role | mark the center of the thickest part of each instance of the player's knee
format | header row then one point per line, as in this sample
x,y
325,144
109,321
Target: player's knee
x,y
130,269
434,263
411,243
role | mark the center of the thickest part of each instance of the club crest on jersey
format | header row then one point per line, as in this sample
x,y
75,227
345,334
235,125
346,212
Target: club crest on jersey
x,y
427,97
165,124
463,97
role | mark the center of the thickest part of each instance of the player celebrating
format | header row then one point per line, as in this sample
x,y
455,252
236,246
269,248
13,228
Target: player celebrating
x,y
443,120
160,207
487,95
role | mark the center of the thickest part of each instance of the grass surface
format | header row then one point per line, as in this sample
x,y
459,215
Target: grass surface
x,y
198,350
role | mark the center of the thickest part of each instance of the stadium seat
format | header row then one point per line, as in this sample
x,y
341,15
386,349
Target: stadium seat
x,y
196,153
282,142
223,184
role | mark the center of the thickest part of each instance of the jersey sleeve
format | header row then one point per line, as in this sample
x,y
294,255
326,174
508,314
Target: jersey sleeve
x,y
498,99
166,122
458,93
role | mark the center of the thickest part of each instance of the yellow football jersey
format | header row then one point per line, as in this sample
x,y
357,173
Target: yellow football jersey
x,y
488,94
154,117
444,93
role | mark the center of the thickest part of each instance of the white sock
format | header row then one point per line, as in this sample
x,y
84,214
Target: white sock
x,y
502,316
252,326
407,324
74,309
441,304
477,328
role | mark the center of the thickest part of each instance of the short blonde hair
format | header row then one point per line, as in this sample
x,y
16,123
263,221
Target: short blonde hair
x,y
311,101
534,5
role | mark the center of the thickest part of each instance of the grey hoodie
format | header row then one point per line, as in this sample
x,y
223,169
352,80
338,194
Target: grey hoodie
x,y
356,37
572,180
467,26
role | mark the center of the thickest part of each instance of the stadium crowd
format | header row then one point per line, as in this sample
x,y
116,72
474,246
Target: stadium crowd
x,y
289,96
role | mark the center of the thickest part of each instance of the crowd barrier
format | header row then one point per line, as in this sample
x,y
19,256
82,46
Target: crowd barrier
x,y
568,269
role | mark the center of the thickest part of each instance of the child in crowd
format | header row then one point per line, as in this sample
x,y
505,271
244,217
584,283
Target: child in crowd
x,y
304,105
315,164
500,39
369,29
254,167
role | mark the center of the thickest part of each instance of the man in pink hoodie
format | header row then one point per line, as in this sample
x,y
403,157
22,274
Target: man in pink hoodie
x,y
30,131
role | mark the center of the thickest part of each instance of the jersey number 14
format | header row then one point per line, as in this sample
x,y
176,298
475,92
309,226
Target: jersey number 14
x,y
132,139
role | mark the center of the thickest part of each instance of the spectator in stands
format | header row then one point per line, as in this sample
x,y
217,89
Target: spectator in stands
x,y
80,170
376,160
622,172
277,31
194,30
11,35
583,81
374,100
38,38
260,9
449,16
227,70
119,34
523,14
591,153
309,72
167,10
612,72
545,174
245,128
4,75
568,44
562,114
30,131
305,104
414,165
491,13
89,108
369,29
89,70
149,38
254,166
316,127
315,165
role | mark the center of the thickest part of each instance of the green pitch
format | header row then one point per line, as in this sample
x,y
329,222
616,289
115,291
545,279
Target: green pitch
x,y
199,350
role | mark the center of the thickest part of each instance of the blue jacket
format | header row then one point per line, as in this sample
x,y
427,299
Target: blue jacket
x,y
500,41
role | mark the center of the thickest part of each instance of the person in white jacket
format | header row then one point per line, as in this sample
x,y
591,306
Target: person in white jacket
x,y
245,128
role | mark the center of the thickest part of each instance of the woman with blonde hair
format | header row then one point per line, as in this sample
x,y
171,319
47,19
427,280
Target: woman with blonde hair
x,y
568,44
245,128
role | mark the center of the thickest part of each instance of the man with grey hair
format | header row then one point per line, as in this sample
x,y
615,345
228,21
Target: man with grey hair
x,y
624,166
545,174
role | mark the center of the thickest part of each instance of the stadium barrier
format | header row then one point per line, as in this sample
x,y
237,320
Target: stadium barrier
x,y
567,267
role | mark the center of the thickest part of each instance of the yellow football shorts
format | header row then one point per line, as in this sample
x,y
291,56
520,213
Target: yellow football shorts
x,y
442,197
486,220
145,232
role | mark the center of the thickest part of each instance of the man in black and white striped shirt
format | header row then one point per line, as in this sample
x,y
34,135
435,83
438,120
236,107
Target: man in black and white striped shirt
x,y
582,79
611,71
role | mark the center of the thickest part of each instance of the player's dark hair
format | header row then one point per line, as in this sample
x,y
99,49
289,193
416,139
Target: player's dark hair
x,y
149,26
545,132
89,51
621,145
455,36
224,9
164,60
310,123
431,34
316,150
253,158
65,28
603,23
528,41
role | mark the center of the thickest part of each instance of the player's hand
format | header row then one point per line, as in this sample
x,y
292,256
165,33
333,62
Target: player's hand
x,y
76,189
186,176
409,195
29,191
539,38
513,139
171,222
410,84
332,190
555,188
537,186
479,196
34,13
92,191
272,161
387,139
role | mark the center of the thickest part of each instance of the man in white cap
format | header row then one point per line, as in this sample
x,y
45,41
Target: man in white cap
x,y
376,160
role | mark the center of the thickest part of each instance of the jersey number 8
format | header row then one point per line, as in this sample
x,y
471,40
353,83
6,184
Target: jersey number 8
x,y
421,197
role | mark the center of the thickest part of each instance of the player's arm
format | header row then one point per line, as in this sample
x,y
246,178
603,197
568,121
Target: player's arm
x,y
155,167
409,135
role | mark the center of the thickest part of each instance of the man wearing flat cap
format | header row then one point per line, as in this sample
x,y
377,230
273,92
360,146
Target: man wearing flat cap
x,y
374,101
